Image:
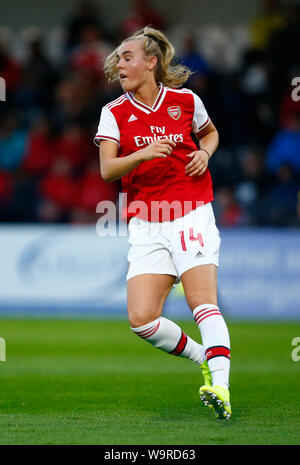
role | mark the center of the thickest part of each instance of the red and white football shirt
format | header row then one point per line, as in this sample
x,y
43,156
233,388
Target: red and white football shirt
x,y
133,125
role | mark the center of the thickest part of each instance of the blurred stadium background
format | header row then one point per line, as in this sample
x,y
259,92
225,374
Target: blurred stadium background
x,y
244,55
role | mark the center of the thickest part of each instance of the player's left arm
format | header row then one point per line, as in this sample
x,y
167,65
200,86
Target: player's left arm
x,y
208,141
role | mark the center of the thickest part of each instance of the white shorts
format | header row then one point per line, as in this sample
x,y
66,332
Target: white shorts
x,y
173,247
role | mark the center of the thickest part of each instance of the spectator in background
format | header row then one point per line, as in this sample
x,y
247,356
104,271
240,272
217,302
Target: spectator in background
x,y
285,147
85,14
35,90
192,58
10,69
256,85
92,190
13,141
228,212
235,128
75,100
283,197
140,15
72,145
66,196
44,146
284,48
253,184
40,149
254,78
204,78
288,106
89,55
57,192
6,195
262,27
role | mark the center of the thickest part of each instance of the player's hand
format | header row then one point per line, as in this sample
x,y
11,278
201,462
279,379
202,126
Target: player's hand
x,y
198,164
158,149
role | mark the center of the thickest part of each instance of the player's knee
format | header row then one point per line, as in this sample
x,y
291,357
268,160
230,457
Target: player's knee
x,y
137,319
196,300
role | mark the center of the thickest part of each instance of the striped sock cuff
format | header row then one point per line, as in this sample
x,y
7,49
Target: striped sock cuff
x,y
181,345
147,330
204,311
217,351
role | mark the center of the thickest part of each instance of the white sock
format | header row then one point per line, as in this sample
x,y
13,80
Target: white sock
x,y
169,337
216,342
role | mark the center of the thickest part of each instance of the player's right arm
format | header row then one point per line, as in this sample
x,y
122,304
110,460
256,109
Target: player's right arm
x,y
113,167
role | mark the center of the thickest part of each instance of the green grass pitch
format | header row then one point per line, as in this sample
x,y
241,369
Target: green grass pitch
x,y
95,382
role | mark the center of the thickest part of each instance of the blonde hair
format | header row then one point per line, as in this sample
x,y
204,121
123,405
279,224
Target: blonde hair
x,y
155,44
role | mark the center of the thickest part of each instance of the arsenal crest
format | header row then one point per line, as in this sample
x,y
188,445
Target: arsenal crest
x,y
174,112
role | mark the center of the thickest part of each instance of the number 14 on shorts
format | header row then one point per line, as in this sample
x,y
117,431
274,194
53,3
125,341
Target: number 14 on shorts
x,y
198,238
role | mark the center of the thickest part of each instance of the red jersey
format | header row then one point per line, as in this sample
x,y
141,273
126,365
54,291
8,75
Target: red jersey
x,y
176,113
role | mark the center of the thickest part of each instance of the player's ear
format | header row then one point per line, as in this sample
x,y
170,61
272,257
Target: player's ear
x,y
152,62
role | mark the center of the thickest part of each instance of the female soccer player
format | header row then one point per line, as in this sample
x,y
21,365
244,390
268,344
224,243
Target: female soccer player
x,y
145,138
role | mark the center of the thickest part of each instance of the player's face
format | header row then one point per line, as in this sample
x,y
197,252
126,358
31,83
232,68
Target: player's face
x,y
133,66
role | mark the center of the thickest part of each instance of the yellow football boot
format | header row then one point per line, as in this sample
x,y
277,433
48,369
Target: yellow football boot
x,y
219,398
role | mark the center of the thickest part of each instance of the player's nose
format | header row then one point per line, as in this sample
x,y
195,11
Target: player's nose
x,y
120,65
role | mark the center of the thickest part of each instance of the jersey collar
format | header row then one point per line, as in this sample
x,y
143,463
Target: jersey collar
x,y
145,108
